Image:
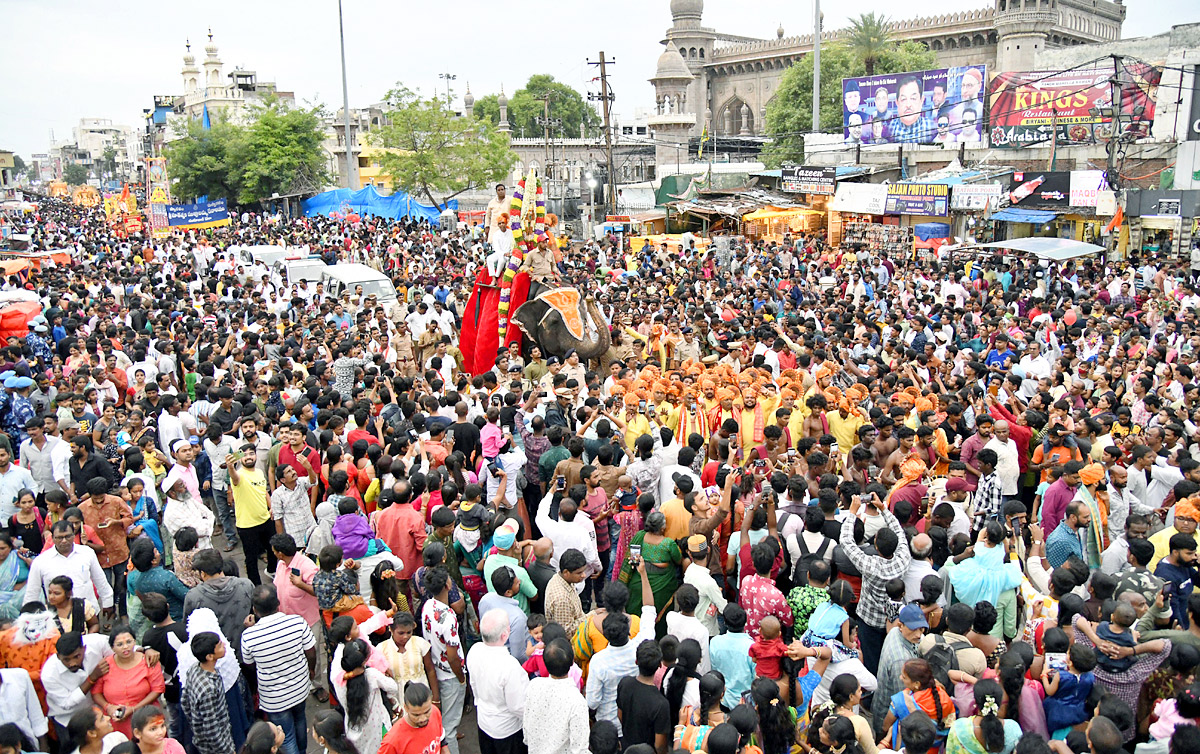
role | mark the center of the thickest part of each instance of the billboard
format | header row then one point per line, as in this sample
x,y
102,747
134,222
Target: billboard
x,y
930,199
975,196
806,180
942,106
1045,189
1028,107
199,215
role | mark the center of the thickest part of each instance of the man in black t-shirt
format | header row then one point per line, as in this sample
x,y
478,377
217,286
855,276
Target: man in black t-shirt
x,y
157,637
465,434
644,711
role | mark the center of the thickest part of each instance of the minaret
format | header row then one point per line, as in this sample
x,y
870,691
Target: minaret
x,y
468,100
190,73
1023,27
675,113
212,63
502,101
694,46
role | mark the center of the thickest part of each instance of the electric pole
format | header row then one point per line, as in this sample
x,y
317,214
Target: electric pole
x,y
816,66
546,122
606,96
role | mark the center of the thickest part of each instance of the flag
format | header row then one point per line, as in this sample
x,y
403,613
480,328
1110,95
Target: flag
x,y
703,138
205,123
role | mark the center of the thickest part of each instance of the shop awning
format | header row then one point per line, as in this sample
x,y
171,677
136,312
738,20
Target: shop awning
x,y
926,231
1018,215
1055,249
772,213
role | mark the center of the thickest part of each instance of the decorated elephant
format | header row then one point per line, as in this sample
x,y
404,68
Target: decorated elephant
x,y
557,321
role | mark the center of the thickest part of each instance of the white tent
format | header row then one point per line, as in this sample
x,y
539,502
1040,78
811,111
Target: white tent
x,y
1055,249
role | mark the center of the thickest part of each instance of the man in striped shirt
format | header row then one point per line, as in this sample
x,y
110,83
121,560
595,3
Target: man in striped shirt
x,y
282,649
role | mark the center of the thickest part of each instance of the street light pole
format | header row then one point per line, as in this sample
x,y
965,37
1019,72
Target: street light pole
x,y
351,163
448,77
816,114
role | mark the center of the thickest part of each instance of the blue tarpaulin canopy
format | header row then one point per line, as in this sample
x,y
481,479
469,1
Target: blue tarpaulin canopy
x,y
369,202
1018,215
926,231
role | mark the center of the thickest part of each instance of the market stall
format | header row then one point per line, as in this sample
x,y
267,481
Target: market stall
x,y
773,223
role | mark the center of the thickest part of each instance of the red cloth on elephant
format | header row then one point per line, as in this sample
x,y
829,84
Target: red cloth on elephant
x,y
480,334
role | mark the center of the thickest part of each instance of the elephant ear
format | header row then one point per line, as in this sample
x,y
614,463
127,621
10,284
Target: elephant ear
x,y
528,315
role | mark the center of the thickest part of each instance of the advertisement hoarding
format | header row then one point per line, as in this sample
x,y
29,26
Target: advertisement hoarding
x,y
931,199
941,106
975,196
806,180
1028,107
199,215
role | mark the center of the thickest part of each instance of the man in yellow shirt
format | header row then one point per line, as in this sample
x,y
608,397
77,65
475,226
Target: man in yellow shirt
x,y
755,412
844,423
252,515
635,423
677,515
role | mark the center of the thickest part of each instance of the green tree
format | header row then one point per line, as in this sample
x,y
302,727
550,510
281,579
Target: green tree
x,y
789,115
278,151
869,39
525,107
109,162
436,152
75,174
19,166
207,162
283,152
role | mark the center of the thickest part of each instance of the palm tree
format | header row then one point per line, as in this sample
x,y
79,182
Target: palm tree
x,y
868,38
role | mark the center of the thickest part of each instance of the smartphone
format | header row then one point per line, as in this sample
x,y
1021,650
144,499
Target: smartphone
x,y
295,571
493,469
562,483
791,453
238,455
635,552
641,406
760,463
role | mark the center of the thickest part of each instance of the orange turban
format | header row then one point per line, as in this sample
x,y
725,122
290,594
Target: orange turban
x,y
824,370
631,400
788,392
913,468
1187,509
725,394
924,403
903,399
1091,474
707,383
857,392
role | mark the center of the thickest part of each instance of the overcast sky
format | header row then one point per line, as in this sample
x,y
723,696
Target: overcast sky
x,y
63,60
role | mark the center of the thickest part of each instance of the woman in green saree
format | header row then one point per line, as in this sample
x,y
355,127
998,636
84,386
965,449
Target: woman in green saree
x,y
987,731
663,558
14,571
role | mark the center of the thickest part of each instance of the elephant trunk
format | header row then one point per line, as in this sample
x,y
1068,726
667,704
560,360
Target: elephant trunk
x,y
594,349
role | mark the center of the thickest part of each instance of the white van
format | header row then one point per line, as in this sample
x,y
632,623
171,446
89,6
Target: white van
x,y
291,271
348,277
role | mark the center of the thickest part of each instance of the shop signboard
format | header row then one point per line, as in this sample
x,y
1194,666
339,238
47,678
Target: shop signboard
x,y
860,198
1086,186
808,180
1043,188
1069,107
941,106
1168,207
930,199
975,196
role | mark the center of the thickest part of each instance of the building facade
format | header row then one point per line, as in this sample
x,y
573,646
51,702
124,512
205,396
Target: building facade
x,y
226,96
723,82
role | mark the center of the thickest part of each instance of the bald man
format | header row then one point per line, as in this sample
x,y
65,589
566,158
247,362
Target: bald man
x,y
920,567
541,572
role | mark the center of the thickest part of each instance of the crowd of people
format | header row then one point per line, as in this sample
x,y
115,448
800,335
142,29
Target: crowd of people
x,y
814,499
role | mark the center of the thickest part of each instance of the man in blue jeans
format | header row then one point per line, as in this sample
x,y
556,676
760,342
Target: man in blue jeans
x,y
282,649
